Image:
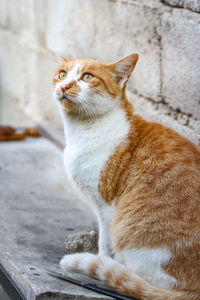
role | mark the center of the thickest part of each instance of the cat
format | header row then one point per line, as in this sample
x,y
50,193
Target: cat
x,y
142,180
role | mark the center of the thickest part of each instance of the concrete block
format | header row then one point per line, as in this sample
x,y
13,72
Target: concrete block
x,y
134,27
195,125
181,61
70,29
10,112
40,93
188,4
14,62
26,20
4,13
26,83
161,113
109,30
18,18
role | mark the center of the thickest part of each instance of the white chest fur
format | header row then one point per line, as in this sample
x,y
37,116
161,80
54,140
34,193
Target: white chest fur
x,y
89,145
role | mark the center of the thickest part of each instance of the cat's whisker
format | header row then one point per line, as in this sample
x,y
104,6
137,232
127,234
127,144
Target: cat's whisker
x,y
83,104
46,104
89,111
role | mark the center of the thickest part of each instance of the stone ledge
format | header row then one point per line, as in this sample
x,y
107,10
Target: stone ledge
x,y
38,209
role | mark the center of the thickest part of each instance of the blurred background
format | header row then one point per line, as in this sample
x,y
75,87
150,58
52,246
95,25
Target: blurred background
x,y
165,85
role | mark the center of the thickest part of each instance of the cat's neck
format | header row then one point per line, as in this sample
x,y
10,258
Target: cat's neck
x,y
105,128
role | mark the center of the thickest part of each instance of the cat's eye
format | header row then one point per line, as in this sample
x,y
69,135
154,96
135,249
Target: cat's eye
x,y
87,77
62,75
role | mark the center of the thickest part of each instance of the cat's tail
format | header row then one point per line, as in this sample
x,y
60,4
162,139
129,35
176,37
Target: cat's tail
x,y
120,279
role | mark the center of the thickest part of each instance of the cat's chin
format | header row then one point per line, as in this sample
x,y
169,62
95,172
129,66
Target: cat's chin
x,y
68,102
68,105
66,98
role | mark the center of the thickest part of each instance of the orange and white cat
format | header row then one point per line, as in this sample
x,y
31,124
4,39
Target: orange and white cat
x,y
141,178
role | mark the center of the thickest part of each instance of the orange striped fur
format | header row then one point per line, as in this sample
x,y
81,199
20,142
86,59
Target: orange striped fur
x,y
147,188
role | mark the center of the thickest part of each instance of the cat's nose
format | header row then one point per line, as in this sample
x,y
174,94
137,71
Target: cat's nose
x,y
66,87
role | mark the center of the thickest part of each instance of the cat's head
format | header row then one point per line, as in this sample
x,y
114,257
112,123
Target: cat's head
x,y
88,88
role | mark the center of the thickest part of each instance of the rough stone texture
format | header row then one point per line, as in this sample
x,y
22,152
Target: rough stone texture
x,y
3,295
86,241
190,4
166,37
181,61
26,83
38,209
183,124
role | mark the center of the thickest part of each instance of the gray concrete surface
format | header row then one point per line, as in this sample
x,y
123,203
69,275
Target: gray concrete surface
x,y
3,295
193,5
38,209
180,87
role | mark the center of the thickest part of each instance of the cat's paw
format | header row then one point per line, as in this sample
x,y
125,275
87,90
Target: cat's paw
x,y
78,262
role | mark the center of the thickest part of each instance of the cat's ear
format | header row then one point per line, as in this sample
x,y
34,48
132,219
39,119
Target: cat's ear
x,y
64,59
123,68
61,59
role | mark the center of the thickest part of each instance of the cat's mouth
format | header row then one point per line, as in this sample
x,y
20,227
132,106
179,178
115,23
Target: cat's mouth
x,y
67,98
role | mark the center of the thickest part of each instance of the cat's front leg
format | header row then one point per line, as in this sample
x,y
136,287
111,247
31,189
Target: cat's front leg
x,y
104,240
104,231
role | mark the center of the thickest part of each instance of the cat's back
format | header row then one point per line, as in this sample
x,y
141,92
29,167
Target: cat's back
x,y
161,148
168,163
162,187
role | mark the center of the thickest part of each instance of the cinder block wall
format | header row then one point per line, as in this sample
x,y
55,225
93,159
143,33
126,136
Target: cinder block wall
x,y
166,82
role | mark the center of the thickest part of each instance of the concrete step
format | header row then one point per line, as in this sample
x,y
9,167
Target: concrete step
x,y
38,209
